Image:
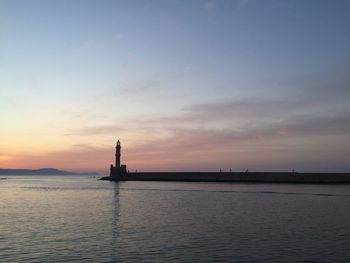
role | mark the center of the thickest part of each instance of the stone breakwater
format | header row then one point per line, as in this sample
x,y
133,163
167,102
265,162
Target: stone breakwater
x,y
254,177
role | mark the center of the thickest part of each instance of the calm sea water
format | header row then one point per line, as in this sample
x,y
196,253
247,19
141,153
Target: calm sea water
x,y
80,219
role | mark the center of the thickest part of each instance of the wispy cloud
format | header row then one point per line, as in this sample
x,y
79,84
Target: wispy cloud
x,y
96,130
316,106
289,128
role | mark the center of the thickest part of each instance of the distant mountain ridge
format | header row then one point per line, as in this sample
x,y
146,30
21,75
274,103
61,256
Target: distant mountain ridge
x,y
41,171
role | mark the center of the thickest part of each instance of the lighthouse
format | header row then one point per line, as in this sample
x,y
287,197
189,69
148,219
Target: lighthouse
x,y
118,172
117,154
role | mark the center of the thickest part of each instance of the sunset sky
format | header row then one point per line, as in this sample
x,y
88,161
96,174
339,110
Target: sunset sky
x,y
185,85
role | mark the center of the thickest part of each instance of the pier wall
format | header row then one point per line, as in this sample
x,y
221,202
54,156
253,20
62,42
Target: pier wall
x,y
263,177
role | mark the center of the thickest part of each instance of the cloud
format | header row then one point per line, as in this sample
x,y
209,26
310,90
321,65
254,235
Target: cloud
x,y
242,132
321,125
308,123
267,147
242,108
293,127
310,119
319,94
98,129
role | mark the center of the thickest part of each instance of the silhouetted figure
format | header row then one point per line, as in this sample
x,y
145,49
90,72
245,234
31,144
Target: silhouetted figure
x,y
230,170
246,171
220,170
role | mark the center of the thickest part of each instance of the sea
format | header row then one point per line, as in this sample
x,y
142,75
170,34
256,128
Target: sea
x,y
82,219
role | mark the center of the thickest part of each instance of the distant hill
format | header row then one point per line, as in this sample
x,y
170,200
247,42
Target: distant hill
x,y
41,171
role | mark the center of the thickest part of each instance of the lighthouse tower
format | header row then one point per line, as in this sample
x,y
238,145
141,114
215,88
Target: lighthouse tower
x,y
118,172
117,154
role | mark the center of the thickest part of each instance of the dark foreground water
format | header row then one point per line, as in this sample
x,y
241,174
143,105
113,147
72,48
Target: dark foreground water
x,y
80,219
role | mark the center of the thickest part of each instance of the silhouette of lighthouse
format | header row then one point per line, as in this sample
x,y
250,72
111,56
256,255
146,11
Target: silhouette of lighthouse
x,y
117,154
119,170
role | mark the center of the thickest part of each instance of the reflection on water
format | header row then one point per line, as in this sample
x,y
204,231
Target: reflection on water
x,y
64,219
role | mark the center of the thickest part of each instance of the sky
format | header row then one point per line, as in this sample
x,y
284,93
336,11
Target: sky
x,y
185,85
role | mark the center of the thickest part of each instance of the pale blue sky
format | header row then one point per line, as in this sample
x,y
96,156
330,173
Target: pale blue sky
x,y
81,73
